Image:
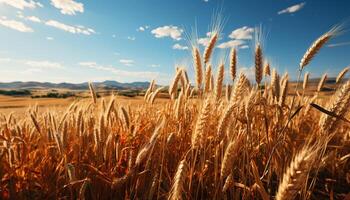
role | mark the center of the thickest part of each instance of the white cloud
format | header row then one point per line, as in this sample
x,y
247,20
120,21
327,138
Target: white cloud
x,y
206,1
15,25
143,28
121,73
179,47
68,7
131,38
127,62
31,71
292,9
204,41
28,18
49,38
43,64
168,31
243,33
69,28
232,44
22,4
33,19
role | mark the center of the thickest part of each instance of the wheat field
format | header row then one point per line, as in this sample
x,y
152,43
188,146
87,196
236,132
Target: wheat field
x,y
243,140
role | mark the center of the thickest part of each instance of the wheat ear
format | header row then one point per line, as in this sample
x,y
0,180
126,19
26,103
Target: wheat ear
x,y
92,92
342,74
209,49
306,80
321,83
258,64
197,66
197,136
233,64
177,188
296,174
317,45
230,155
219,81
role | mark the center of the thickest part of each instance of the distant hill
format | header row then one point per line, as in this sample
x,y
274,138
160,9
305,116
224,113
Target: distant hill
x,y
74,86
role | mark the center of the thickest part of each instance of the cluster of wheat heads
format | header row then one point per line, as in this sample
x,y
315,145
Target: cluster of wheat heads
x,y
246,141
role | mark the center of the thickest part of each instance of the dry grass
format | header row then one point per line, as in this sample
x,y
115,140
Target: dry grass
x,y
251,144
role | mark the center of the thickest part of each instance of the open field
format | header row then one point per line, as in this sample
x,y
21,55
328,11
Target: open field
x,y
255,139
20,105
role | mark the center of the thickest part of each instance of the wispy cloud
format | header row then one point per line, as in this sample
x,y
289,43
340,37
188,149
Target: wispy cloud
x,y
292,9
49,38
339,44
28,18
127,62
33,19
43,64
121,73
243,33
233,44
142,28
205,40
168,31
22,4
68,7
238,38
15,25
69,28
179,47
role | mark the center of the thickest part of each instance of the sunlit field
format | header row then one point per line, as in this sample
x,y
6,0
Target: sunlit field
x,y
257,139
176,100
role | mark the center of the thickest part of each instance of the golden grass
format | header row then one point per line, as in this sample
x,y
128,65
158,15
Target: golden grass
x,y
251,144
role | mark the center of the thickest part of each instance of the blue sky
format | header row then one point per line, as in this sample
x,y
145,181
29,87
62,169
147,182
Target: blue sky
x,y
138,40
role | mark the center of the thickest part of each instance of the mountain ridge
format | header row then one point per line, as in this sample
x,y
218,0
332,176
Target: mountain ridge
x,y
108,84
